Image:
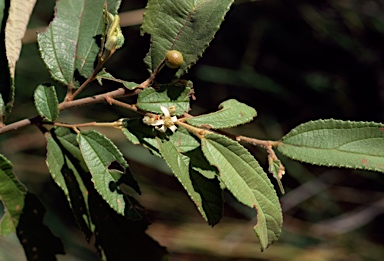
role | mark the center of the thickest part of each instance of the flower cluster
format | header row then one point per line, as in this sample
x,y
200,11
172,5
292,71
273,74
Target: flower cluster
x,y
162,123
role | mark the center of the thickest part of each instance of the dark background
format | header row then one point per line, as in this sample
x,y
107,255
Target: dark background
x,y
294,61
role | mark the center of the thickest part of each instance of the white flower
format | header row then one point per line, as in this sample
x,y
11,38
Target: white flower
x,y
162,123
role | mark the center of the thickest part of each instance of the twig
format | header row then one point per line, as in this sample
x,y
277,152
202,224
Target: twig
x,y
121,92
197,131
115,124
124,105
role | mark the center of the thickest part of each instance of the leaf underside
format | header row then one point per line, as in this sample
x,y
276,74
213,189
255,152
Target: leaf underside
x,y
337,143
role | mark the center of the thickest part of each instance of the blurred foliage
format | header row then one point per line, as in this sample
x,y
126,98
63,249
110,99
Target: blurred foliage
x,y
293,61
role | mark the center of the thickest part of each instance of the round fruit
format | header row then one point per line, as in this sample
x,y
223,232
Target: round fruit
x,y
173,59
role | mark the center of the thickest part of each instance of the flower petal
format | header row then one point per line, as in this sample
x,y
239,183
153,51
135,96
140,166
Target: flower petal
x,y
158,123
165,111
173,128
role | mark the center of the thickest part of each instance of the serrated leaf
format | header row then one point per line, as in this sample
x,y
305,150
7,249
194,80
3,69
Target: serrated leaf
x,y
68,169
7,90
69,43
172,95
46,102
232,113
139,133
183,140
187,26
337,143
103,75
99,153
12,194
205,193
247,181
18,18
200,164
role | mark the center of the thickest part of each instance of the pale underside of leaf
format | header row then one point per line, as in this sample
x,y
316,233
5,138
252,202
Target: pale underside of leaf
x,y
19,14
337,143
187,26
246,180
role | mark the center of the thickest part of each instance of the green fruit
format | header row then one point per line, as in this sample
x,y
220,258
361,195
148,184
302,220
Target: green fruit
x,y
173,59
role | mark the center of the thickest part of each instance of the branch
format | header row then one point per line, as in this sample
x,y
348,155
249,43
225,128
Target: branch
x,y
121,92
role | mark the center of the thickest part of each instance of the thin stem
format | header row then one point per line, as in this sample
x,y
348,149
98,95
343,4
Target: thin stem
x,y
260,143
124,105
268,145
115,124
200,133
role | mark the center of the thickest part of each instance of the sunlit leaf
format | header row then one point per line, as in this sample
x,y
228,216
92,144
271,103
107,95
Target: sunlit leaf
x,y
46,102
12,194
69,43
246,180
7,90
99,153
187,26
231,113
18,18
337,143
172,95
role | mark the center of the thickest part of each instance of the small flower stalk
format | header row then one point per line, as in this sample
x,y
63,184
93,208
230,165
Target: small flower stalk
x,y
162,123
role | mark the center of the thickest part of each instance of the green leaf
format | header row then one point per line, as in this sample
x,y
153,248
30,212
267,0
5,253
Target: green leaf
x,y
46,102
12,194
68,169
99,154
205,193
139,133
231,113
69,43
107,76
183,140
187,26
200,164
171,95
337,143
275,169
247,181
